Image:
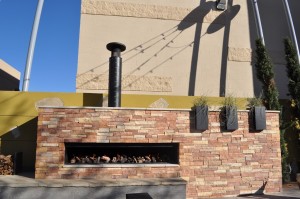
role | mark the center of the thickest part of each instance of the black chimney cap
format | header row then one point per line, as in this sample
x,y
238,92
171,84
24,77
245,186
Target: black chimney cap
x,y
115,45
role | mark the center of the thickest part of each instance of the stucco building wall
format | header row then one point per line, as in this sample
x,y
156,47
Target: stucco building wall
x,y
179,47
9,77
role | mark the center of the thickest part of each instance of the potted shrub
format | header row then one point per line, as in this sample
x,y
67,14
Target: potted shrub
x,y
258,113
230,112
201,113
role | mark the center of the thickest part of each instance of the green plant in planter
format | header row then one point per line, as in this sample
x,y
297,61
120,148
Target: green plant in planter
x,y
255,101
201,113
229,101
258,113
230,112
201,101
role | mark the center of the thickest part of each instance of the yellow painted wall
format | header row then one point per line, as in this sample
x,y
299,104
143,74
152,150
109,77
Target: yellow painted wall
x,y
18,107
145,101
18,119
18,114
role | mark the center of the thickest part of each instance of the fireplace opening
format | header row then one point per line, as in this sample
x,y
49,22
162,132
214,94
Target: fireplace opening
x,y
121,153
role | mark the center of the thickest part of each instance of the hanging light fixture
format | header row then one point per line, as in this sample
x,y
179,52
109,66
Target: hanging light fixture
x,y
221,4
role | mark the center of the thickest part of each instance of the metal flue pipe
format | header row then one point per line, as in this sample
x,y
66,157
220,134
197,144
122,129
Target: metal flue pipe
x,y
30,52
258,22
115,73
291,26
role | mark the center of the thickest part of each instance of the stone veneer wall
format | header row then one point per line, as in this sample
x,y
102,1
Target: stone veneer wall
x,y
214,162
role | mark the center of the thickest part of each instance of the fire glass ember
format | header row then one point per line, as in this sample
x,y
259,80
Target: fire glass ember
x,y
99,153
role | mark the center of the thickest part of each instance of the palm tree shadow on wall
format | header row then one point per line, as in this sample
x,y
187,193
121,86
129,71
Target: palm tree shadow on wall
x,y
198,13
167,38
223,21
226,16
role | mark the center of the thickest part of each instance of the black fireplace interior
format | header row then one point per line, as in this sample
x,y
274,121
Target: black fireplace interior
x,y
121,153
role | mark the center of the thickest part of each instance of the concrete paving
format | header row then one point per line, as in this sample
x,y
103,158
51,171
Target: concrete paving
x,y
289,191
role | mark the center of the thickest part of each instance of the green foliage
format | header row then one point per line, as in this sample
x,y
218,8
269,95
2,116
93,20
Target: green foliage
x,y
293,69
293,72
201,101
265,74
230,101
255,101
284,156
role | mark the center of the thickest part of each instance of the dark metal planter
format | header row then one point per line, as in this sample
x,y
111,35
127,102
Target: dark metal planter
x,y
259,117
231,118
201,118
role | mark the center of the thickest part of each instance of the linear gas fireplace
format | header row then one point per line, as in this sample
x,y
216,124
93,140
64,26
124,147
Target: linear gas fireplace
x,y
121,153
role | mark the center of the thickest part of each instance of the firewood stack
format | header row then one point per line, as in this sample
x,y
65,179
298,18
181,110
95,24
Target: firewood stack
x,y
6,165
93,159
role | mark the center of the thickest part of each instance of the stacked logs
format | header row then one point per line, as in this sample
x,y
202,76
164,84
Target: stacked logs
x,y
6,165
94,159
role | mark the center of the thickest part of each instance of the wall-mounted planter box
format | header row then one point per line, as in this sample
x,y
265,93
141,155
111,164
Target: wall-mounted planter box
x,y
259,117
231,118
201,118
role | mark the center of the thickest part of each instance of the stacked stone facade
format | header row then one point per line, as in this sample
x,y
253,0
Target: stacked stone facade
x,y
214,162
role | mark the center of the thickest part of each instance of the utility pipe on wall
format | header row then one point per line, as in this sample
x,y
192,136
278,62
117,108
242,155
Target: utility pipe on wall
x,y
291,26
258,22
32,45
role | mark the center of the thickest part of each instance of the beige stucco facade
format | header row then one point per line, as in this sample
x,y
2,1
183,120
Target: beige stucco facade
x,y
177,47
9,77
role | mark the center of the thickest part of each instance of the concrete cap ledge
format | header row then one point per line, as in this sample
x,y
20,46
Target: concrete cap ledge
x,y
20,181
114,108
211,109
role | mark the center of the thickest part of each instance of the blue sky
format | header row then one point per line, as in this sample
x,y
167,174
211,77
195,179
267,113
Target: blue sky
x,y
54,63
